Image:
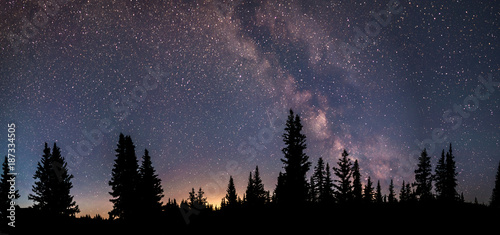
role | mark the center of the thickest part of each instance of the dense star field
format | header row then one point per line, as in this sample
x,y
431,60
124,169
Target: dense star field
x,y
206,87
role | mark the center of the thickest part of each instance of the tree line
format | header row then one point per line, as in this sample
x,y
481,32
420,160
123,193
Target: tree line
x,y
346,188
136,191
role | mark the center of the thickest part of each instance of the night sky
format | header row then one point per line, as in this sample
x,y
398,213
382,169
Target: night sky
x,y
206,88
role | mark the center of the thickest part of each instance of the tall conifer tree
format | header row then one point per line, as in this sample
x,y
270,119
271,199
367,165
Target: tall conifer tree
x,y
368,191
255,193
423,177
150,189
60,183
51,192
343,172
440,176
231,197
41,190
124,180
318,181
259,191
327,194
357,189
250,192
392,195
450,180
296,163
378,193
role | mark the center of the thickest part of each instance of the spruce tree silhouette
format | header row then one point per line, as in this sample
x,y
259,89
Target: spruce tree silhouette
x,y
231,199
41,190
5,194
318,181
392,196
368,191
296,164
255,193
51,192
150,189
312,194
278,193
495,195
60,185
124,180
440,176
378,193
357,189
343,171
249,193
194,204
201,200
405,194
260,194
327,194
450,181
423,177
445,177
192,198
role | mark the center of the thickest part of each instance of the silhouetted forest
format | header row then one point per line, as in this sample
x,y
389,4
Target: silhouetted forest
x,y
332,200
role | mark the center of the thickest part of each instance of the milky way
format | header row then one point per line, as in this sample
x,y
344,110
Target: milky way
x,y
206,87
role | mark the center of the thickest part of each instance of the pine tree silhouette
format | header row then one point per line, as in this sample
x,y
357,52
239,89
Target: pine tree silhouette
x,y
296,164
124,181
5,189
357,189
231,199
343,172
423,177
150,188
495,195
